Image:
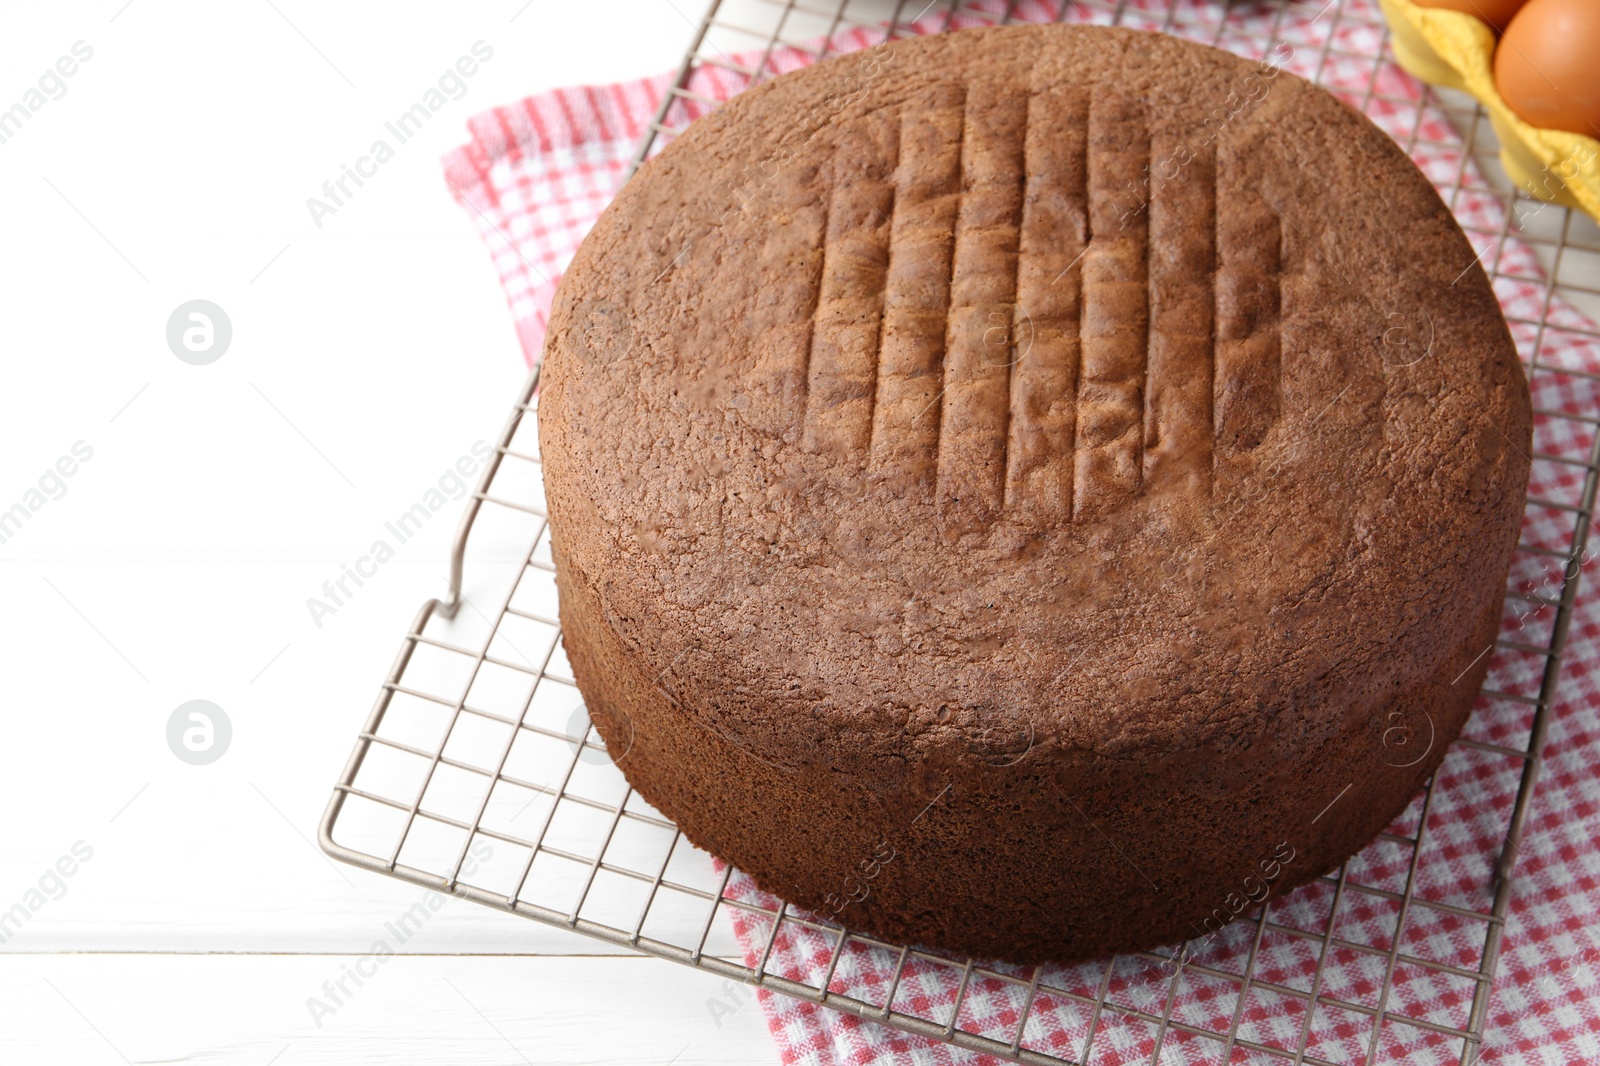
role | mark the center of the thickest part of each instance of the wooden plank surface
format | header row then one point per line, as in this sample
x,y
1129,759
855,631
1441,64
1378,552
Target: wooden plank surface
x,y
261,1009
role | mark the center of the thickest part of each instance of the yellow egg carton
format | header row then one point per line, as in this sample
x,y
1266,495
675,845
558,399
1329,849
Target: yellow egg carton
x,y
1456,50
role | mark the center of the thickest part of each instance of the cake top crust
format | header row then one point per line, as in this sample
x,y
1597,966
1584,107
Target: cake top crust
x,y
1071,384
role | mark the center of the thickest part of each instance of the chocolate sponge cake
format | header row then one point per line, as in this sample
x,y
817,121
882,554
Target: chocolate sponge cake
x,y
1033,491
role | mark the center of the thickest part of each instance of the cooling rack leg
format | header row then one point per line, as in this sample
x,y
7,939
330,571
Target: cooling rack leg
x,y
458,551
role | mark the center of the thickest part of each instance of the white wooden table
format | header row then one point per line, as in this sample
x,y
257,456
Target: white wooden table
x,y
174,564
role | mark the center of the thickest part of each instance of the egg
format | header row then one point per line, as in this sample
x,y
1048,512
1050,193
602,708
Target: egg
x,y
1547,66
1496,13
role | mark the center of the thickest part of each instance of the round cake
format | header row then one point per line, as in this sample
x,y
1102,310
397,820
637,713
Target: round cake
x,y
1033,491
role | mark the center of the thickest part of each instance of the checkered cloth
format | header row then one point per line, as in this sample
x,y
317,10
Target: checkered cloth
x,y
534,178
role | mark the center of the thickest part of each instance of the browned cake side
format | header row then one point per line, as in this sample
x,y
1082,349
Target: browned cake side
x,y
1031,491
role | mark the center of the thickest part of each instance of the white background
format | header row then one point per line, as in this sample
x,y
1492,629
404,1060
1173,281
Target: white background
x,y
367,357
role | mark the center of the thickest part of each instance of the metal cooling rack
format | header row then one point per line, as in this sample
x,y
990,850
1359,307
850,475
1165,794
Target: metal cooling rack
x,y
478,735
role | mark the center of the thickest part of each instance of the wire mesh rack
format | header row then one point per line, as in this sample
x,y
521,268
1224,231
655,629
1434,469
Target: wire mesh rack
x,y
478,734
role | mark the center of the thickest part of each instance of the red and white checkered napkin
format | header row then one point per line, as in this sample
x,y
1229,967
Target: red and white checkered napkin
x,y
536,175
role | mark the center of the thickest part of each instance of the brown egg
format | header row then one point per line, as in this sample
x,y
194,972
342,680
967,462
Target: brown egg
x,y
1496,13
1547,66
